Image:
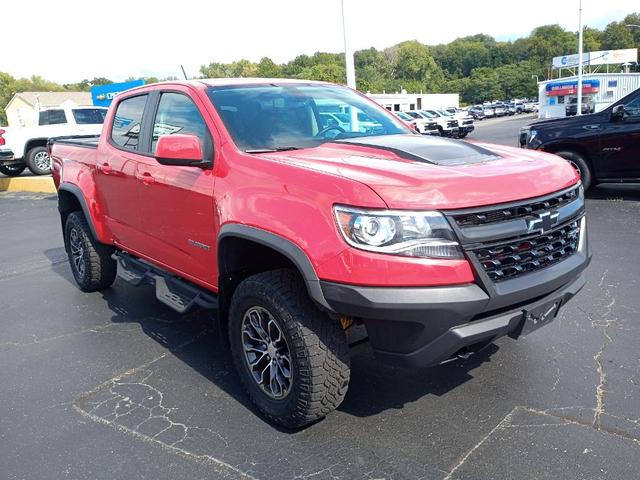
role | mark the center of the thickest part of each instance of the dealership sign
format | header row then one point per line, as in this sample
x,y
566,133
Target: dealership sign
x,y
570,61
571,87
600,57
102,95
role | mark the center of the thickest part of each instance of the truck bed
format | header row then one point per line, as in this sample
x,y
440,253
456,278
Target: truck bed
x,y
86,141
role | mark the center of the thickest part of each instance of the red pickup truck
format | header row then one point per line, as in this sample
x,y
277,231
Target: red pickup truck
x,y
233,195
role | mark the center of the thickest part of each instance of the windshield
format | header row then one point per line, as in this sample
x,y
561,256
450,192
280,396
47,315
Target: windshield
x,y
291,116
89,116
404,116
444,113
428,114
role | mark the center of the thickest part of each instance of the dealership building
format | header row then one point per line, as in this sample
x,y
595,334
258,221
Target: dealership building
x,y
403,101
599,88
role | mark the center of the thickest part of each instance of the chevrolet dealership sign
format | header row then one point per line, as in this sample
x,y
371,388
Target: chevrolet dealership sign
x,y
600,57
102,95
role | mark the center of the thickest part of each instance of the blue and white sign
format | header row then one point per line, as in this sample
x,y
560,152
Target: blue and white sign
x,y
102,95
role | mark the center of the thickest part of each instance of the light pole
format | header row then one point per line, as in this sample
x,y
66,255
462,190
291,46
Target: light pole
x,y
579,110
536,77
348,53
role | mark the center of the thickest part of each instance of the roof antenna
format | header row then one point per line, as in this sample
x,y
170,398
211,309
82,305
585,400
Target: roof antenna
x,y
184,73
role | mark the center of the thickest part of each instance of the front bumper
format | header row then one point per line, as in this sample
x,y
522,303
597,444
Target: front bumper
x,y
419,327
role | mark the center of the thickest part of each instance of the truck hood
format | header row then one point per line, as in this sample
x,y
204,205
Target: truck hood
x,y
415,172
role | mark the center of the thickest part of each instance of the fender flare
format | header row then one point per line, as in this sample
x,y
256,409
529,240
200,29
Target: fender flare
x,y
76,192
285,247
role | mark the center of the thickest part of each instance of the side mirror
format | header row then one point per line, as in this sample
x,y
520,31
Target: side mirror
x,y
179,149
618,112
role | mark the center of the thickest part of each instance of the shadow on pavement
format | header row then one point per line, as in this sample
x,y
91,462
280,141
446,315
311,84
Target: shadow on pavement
x,y
615,191
194,340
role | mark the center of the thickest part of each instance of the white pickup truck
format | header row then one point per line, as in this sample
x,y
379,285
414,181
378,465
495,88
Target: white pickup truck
x,y
22,147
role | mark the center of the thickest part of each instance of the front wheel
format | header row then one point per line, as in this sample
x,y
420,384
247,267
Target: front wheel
x,y
38,161
293,360
12,170
580,165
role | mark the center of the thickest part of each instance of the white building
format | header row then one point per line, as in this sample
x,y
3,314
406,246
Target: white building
x,y
598,89
400,102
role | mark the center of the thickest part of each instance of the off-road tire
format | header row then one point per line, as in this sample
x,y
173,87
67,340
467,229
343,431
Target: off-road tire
x,y
32,161
579,163
98,268
317,344
12,170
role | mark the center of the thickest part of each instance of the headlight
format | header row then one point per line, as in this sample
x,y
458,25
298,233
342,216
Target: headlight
x,y
412,234
531,135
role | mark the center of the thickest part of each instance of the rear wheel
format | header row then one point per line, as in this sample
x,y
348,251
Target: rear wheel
x,y
38,161
292,359
578,162
91,262
12,170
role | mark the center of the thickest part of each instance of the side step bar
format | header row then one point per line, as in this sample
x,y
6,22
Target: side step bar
x,y
171,290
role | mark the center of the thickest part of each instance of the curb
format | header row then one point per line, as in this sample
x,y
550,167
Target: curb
x,y
27,184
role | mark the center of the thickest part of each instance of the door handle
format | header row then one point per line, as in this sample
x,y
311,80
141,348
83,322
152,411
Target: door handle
x,y
105,168
146,178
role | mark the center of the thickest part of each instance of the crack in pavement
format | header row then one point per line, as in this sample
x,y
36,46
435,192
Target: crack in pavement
x,y
137,409
97,329
605,325
556,420
26,267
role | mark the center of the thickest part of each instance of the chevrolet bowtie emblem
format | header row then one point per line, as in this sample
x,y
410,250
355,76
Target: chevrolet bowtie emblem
x,y
544,222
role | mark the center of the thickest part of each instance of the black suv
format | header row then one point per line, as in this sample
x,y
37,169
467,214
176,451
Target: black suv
x,y
603,147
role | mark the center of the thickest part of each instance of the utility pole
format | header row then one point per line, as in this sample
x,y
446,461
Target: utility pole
x,y
351,71
348,53
579,110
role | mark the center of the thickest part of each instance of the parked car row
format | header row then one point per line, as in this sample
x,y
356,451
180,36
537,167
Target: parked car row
x,y
500,109
441,122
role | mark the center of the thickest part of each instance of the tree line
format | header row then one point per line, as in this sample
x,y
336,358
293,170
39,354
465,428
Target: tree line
x,y
477,66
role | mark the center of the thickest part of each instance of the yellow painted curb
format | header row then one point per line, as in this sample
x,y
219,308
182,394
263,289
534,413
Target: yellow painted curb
x,y
27,184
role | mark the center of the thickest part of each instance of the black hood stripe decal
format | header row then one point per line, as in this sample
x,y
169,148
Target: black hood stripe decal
x,y
434,150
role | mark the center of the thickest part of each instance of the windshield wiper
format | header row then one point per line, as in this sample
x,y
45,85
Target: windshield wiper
x,y
274,149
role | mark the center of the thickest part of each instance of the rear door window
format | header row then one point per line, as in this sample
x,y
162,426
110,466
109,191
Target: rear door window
x,y
127,122
89,116
52,117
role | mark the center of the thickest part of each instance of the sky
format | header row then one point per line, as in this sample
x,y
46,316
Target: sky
x,y
69,40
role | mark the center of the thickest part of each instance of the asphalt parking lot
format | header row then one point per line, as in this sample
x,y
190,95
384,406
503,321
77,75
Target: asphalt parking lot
x,y
114,385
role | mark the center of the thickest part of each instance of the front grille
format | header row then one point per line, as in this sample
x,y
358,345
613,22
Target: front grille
x,y
507,260
496,215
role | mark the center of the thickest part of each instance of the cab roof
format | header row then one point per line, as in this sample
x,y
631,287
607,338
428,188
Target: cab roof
x,y
224,82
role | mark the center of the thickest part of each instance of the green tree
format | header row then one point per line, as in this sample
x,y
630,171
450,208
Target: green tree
x,y
551,41
616,35
216,70
591,39
633,19
268,69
